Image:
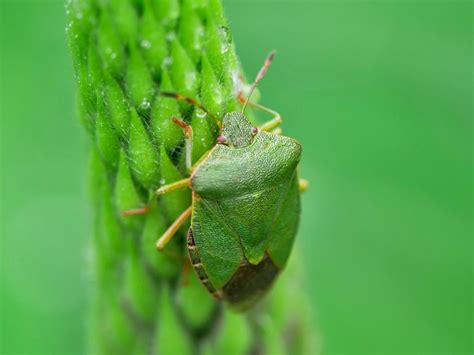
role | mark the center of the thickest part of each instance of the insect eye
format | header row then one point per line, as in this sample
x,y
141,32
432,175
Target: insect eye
x,y
254,130
222,140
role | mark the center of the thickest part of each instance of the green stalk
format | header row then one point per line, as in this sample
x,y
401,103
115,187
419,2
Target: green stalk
x,y
125,52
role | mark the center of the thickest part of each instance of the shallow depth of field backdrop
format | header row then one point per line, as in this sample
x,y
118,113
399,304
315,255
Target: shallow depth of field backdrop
x,y
380,95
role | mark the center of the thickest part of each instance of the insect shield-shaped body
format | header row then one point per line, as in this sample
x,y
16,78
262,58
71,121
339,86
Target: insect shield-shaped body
x,y
245,204
245,212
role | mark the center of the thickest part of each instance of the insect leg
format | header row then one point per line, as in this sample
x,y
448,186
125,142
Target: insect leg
x,y
140,210
277,131
303,185
193,102
272,124
173,186
171,231
269,125
161,191
188,140
136,211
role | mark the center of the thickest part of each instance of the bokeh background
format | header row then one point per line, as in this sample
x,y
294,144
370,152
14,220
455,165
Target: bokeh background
x,y
380,95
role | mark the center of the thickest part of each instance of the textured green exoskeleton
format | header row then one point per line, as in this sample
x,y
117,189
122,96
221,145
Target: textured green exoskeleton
x,y
245,212
245,204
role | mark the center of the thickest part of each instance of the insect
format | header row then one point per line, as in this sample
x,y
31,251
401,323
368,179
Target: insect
x,y
245,204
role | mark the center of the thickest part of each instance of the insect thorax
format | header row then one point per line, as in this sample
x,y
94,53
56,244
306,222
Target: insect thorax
x,y
268,162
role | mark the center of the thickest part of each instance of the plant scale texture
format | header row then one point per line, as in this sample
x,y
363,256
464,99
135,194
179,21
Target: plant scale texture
x,y
144,302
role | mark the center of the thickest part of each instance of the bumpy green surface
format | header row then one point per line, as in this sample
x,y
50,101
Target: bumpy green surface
x,y
125,52
234,216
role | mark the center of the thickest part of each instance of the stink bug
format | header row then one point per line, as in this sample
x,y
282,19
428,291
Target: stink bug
x,y
245,204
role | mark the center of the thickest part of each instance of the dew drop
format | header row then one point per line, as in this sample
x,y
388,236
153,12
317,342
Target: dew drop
x,y
224,33
199,34
190,77
224,48
200,113
167,61
170,36
162,181
146,44
145,104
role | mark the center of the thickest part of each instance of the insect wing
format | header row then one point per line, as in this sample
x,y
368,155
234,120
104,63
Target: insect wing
x,y
219,251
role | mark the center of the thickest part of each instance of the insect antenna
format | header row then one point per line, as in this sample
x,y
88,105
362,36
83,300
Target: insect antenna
x,y
191,101
259,77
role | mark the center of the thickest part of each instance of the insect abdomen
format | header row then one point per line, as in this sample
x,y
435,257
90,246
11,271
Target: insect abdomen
x,y
197,265
248,284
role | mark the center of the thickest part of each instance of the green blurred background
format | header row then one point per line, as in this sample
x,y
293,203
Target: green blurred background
x,y
380,95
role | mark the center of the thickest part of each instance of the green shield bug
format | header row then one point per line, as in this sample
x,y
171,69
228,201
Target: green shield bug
x,y
245,204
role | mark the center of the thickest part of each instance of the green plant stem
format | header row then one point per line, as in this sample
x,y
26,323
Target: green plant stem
x,y
125,52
